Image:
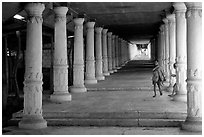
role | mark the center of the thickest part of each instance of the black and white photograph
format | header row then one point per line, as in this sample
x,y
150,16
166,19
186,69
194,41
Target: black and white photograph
x,y
101,67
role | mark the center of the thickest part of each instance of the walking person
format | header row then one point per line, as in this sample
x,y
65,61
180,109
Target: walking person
x,y
157,78
175,85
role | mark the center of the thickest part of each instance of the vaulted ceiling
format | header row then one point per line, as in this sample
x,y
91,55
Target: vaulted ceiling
x,y
129,20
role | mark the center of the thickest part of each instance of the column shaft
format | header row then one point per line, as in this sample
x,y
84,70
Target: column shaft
x,y
116,52
194,67
113,52
78,65
110,66
90,59
61,93
105,54
172,49
180,52
98,46
32,113
166,28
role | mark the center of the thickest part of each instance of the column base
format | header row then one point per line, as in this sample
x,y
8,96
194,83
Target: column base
x,y
74,89
115,70
100,77
90,81
193,126
32,122
180,98
60,97
111,71
106,74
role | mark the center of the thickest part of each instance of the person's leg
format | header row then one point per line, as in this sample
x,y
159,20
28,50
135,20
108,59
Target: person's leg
x,y
159,88
174,91
154,90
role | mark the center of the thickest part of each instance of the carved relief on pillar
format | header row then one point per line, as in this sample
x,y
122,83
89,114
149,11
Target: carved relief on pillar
x,y
90,58
60,19
78,69
60,78
90,74
181,59
194,13
34,19
195,73
60,61
193,97
32,95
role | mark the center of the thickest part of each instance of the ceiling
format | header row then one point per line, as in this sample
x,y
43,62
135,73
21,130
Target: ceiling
x,y
129,20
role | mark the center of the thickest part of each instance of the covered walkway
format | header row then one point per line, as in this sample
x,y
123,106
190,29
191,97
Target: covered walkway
x,y
122,99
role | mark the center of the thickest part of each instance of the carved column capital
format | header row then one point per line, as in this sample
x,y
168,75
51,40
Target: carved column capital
x,y
179,6
194,9
60,13
98,29
90,24
109,34
34,9
104,31
78,21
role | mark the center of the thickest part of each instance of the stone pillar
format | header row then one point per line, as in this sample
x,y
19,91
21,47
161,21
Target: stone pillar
x,y
98,46
162,46
172,49
159,49
110,66
119,53
181,52
78,64
113,53
166,31
105,54
126,51
122,52
194,67
32,113
90,59
116,52
61,93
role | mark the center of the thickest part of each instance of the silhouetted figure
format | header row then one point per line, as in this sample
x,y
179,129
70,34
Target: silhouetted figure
x,y
157,78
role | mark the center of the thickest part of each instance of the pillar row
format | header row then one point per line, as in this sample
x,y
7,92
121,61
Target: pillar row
x,y
98,46
32,112
193,121
104,53
90,59
181,52
61,93
78,65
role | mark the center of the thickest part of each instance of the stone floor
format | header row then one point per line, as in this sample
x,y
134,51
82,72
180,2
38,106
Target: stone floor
x,y
99,131
127,90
